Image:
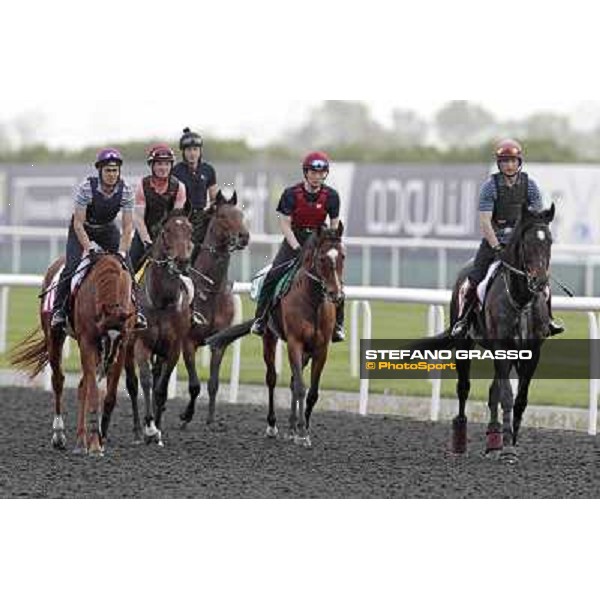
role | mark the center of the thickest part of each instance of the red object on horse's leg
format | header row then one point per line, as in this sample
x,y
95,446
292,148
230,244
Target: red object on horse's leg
x,y
494,438
459,435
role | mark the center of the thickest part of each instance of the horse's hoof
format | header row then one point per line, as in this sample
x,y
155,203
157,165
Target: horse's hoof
x,y
185,418
495,441
303,442
290,436
59,441
183,424
96,452
509,455
80,450
272,432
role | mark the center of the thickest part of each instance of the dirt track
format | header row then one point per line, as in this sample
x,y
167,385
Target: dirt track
x,y
352,456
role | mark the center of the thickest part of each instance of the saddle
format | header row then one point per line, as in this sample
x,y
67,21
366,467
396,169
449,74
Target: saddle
x,y
279,287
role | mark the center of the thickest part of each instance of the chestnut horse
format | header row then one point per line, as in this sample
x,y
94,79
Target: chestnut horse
x,y
226,233
101,320
304,318
166,301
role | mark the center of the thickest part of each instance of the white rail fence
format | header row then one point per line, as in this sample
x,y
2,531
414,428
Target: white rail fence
x,y
585,256
360,298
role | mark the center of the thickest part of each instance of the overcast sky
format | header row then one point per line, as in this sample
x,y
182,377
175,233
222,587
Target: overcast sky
x,y
91,72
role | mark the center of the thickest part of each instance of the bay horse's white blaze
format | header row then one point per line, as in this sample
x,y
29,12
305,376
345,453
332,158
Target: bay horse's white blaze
x,y
333,254
541,235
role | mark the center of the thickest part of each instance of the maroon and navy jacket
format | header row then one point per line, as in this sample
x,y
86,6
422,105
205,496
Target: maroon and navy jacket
x,y
309,210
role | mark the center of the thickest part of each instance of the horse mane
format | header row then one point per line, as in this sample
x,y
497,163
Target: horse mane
x,y
527,220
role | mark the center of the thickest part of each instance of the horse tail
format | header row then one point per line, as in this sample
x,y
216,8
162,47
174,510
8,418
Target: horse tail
x,y
442,341
31,356
227,336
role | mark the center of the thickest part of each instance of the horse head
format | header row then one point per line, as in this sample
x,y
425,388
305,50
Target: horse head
x,y
175,241
530,247
227,231
323,258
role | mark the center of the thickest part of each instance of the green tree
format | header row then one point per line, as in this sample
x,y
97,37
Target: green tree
x,y
460,123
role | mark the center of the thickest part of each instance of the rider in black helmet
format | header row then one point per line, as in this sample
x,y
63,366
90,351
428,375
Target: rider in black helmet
x,y
200,180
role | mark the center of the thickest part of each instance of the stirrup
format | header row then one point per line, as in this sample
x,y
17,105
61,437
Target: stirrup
x,y
339,335
556,327
198,319
258,327
141,322
59,319
460,328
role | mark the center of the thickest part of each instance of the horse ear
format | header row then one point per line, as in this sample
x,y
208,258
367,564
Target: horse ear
x,y
233,199
550,214
340,229
220,199
525,212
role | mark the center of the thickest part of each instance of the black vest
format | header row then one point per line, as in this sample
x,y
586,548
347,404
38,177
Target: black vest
x,y
102,210
158,206
509,200
195,185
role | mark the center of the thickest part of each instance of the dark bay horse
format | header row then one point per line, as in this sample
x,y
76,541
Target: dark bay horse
x,y
226,234
514,317
166,301
304,318
101,322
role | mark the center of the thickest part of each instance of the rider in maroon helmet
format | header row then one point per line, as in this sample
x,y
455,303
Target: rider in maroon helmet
x,y
500,204
303,208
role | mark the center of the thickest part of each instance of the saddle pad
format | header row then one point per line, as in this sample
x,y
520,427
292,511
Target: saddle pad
x,y
285,281
257,282
48,302
482,287
189,286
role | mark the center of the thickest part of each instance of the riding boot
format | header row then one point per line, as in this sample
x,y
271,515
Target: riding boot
x,y
556,326
141,322
61,306
461,327
258,327
338,331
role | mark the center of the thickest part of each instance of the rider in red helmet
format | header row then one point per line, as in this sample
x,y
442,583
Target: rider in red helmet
x,y
156,196
303,208
98,201
500,203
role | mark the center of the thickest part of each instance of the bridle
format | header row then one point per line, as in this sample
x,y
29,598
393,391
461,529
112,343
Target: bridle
x,y
313,274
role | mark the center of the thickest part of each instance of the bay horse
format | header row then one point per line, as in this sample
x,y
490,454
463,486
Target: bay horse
x,y
515,316
101,321
226,233
305,319
166,300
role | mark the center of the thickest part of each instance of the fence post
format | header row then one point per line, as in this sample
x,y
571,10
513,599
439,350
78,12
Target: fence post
x,y
4,290
363,406
593,394
435,325
234,383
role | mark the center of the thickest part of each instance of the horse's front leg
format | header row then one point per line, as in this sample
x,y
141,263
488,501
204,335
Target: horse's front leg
x,y
295,354
216,358
91,410
55,343
189,358
316,370
131,382
269,347
112,385
143,361
526,370
161,386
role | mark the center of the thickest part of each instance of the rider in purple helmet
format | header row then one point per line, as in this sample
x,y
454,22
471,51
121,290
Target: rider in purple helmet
x,y
98,201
